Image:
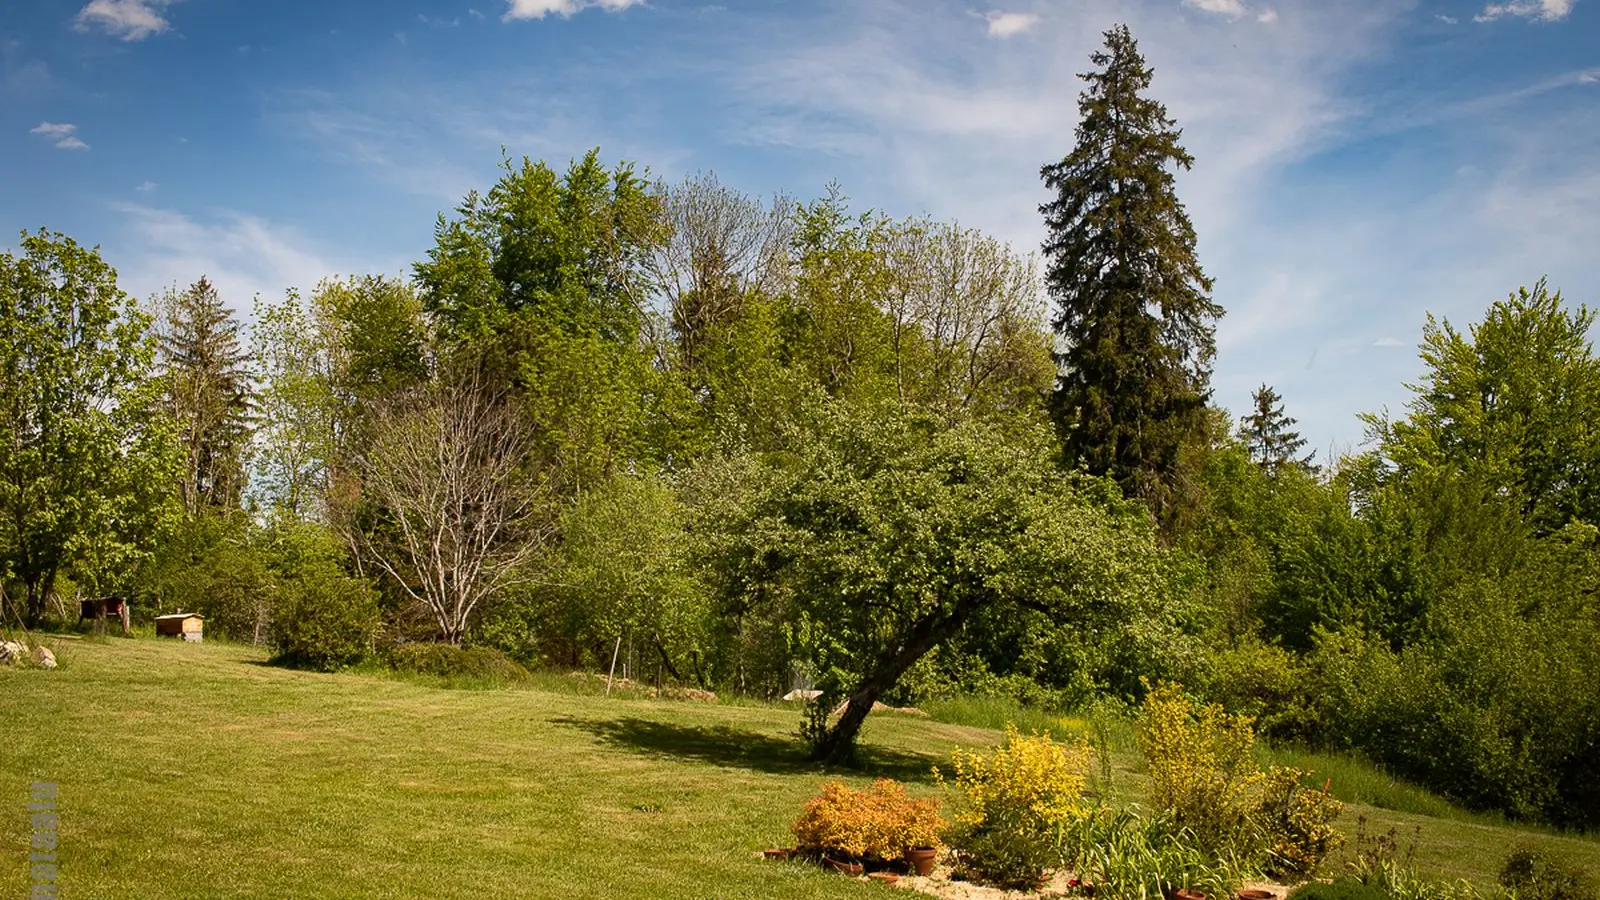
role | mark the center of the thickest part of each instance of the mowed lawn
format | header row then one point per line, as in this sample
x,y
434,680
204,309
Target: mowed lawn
x,y
197,771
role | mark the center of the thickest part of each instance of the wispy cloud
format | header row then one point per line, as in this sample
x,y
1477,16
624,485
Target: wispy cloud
x,y
242,254
1233,9
63,134
1267,16
1540,10
538,9
146,187
130,20
1388,342
1008,24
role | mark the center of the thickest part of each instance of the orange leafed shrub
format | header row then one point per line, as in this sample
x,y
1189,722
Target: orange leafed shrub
x,y
880,822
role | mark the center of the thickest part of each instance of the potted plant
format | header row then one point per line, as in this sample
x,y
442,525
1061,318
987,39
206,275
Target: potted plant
x,y
921,859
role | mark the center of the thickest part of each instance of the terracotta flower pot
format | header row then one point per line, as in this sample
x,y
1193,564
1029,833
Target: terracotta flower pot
x,y
1188,894
922,859
844,866
1256,895
885,877
778,853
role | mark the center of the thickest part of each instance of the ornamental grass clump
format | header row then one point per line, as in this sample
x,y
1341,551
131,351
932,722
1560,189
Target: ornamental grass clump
x,y
879,823
1014,804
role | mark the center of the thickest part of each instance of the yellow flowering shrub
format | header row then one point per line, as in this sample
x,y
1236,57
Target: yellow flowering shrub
x,y
1297,823
1202,767
881,822
1014,803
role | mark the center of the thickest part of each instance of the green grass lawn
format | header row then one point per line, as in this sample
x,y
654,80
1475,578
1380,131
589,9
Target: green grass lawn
x,y
197,771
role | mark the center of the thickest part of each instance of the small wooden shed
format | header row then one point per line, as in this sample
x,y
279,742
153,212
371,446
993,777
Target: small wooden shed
x,y
180,625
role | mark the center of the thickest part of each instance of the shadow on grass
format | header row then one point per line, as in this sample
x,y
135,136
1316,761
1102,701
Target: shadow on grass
x,y
722,745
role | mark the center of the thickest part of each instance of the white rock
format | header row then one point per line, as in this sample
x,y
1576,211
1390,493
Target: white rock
x,y
11,651
43,658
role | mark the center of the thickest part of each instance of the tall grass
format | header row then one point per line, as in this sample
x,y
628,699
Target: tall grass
x,y
1352,779
998,712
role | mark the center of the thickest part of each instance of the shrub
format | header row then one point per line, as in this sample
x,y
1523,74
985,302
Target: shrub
x,y
881,822
1534,876
325,621
1015,802
449,661
1341,888
1202,767
1296,823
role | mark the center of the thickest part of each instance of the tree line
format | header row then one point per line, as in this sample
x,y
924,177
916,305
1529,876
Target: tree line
x,y
760,443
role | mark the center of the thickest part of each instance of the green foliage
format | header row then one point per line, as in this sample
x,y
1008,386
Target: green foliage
x,y
325,621
1535,876
84,458
1344,887
1127,855
1014,803
1510,401
323,618
881,539
206,383
448,661
879,823
625,568
1268,434
1135,321
565,250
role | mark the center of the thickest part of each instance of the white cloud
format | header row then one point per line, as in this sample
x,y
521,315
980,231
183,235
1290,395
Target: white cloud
x,y
1267,15
538,9
64,134
1448,20
130,20
242,254
146,187
1388,342
1007,24
1233,9
1542,10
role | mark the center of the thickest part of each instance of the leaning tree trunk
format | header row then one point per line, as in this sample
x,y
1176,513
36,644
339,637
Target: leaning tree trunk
x,y
838,746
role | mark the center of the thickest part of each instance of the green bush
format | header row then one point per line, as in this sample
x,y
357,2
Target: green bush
x,y
1534,876
1342,888
325,621
448,661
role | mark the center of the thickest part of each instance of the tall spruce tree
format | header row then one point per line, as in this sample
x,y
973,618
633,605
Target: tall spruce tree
x,y
1135,319
1269,435
208,391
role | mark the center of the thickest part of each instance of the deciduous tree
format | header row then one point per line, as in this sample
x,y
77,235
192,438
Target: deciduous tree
x,y
79,433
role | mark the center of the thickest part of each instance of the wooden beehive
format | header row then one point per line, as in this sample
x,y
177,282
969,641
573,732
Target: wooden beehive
x,y
187,626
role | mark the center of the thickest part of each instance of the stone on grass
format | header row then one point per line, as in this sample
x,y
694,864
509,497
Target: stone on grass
x,y
44,658
11,651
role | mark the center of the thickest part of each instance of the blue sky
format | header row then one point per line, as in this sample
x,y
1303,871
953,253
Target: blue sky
x,y
1358,163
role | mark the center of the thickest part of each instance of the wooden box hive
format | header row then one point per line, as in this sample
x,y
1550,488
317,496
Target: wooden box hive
x,y
187,626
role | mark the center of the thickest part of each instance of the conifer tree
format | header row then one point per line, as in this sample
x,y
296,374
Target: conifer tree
x,y
1269,436
1135,319
207,388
